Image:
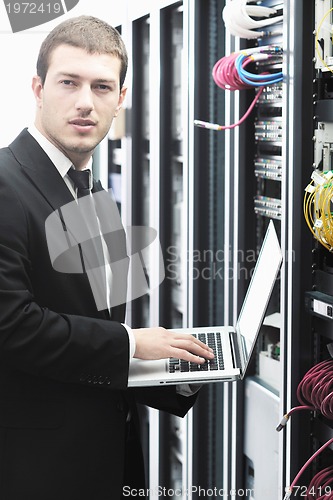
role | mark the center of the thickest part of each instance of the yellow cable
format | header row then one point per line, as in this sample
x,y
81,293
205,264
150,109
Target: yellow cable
x,y
317,211
317,40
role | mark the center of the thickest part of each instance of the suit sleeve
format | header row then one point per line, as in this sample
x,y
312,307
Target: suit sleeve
x,y
35,339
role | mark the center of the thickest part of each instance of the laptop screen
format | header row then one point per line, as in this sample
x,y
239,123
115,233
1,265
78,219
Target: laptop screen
x,y
259,292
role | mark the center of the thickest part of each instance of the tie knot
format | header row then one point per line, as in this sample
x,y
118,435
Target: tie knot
x,y
81,180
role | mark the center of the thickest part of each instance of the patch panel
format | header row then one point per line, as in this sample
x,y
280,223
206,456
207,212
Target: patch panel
x,y
268,207
272,95
268,168
268,130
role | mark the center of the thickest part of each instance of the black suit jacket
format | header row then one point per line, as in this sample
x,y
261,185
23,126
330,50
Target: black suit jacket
x,y
63,364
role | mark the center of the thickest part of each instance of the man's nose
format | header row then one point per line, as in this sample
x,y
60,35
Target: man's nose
x,y
85,100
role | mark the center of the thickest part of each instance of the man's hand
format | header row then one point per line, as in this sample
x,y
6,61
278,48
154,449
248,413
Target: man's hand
x,y
159,343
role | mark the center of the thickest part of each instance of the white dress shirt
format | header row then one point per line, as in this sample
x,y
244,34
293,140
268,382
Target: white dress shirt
x,y
63,164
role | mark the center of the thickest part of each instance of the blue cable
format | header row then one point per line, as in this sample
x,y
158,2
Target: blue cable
x,y
255,80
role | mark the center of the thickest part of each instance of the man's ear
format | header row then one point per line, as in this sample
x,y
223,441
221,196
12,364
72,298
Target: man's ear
x,y
121,100
37,88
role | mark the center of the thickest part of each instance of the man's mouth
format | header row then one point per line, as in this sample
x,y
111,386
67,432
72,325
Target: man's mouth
x,y
81,122
82,126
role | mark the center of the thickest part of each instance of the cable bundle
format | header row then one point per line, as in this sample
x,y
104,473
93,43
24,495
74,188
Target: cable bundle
x,y
316,388
229,74
317,207
236,16
322,492
225,73
321,485
315,392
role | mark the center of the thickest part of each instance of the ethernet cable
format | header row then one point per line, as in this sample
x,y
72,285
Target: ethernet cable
x,y
254,79
238,21
321,485
290,489
315,393
229,74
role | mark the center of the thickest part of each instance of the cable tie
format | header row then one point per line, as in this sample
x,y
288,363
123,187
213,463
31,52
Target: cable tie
x,y
310,188
317,178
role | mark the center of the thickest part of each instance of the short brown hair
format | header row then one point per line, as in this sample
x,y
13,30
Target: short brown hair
x,y
85,32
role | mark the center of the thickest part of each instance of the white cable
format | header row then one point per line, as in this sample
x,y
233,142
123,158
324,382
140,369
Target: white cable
x,y
235,29
258,11
248,22
236,16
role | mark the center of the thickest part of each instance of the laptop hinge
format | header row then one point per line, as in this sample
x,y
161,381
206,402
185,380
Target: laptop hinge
x,y
236,358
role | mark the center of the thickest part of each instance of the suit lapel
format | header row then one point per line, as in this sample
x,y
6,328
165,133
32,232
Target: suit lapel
x,y
38,167
42,173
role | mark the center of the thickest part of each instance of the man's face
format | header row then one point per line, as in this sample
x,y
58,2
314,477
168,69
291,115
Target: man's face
x,y
78,101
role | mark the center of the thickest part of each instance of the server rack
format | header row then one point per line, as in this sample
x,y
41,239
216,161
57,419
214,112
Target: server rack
x,y
172,223
221,176
321,328
141,148
277,135
162,166
262,179
210,444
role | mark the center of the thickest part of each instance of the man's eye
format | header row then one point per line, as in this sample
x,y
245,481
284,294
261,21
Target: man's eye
x,y
103,88
67,82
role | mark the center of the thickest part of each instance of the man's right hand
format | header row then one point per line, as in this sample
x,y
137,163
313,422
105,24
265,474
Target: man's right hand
x,y
159,343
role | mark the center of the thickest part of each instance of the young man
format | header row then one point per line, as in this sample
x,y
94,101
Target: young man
x,y
68,423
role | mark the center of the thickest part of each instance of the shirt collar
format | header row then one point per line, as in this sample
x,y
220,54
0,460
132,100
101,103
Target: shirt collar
x,y
60,161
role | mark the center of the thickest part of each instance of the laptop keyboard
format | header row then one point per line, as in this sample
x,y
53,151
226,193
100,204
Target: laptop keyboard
x,y
213,340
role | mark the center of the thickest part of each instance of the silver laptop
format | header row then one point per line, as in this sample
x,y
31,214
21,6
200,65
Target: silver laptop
x,y
233,346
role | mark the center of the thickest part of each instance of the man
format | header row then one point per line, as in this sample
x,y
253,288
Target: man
x,y
68,423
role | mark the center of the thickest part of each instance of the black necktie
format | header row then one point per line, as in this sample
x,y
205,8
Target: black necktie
x,y
81,179
92,245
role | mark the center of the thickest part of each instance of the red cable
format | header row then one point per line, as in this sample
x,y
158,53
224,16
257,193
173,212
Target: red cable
x,y
315,392
320,485
316,388
307,463
225,74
